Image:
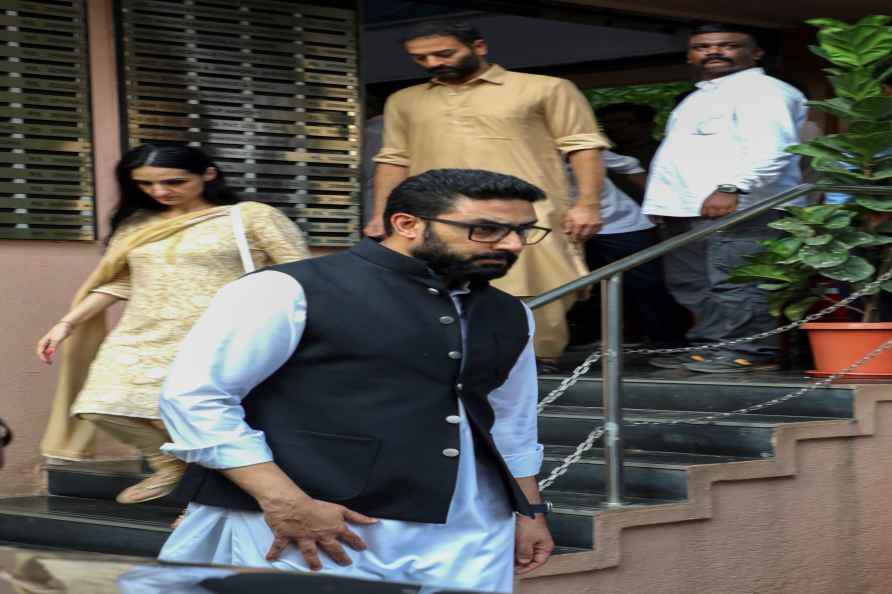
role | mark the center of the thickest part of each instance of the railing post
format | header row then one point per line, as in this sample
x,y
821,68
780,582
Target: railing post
x,y
612,369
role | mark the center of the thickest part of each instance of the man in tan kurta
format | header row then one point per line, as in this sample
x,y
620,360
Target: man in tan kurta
x,y
481,116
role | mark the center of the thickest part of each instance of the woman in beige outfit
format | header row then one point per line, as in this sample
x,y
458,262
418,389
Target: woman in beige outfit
x,y
173,245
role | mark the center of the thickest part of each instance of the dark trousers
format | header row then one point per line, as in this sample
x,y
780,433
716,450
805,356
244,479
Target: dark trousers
x,y
697,276
648,304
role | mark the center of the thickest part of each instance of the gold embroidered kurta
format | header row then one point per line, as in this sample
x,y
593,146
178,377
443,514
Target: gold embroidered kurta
x,y
507,122
168,285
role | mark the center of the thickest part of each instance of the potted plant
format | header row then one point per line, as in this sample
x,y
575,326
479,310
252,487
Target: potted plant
x,y
849,244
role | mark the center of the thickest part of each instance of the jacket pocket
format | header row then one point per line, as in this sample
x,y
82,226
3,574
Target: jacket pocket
x,y
327,466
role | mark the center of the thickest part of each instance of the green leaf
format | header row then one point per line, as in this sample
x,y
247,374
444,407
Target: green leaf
x,y
784,248
856,45
815,151
819,239
840,220
754,271
794,227
887,286
879,240
838,106
857,84
853,270
773,286
853,238
829,256
820,213
884,227
874,203
828,23
873,108
877,20
796,311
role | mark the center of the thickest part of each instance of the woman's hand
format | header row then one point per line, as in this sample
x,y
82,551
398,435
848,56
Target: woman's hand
x,y
49,344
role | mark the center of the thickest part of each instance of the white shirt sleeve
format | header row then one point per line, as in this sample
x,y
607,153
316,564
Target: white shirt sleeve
x,y
766,124
622,164
516,427
251,328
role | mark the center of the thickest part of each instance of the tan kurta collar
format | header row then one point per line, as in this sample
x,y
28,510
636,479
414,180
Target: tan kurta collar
x,y
495,74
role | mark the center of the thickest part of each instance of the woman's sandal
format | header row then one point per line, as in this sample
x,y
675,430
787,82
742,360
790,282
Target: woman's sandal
x,y
154,487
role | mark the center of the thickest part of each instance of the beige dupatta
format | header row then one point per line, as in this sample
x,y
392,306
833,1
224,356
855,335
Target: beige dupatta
x,y
67,437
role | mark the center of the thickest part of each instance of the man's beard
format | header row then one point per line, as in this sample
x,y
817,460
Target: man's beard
x,y
465,68
458,269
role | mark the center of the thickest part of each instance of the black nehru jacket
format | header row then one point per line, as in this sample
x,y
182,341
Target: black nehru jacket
x,y
364,413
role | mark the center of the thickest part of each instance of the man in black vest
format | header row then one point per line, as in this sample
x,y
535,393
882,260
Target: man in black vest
x,y
383,398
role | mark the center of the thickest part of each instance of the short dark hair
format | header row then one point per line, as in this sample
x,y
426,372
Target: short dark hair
x,y
727,28
435,192
644,113
464,31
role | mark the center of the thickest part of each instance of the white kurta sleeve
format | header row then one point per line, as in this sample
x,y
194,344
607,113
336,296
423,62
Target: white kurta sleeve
x,y
250,329
516,430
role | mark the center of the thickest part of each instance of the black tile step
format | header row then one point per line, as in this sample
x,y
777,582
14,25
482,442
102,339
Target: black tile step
x,y
709,394
86,524
98,480
571,520
737,435
660,475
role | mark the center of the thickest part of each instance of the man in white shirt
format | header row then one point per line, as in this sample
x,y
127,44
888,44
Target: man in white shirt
x,y
724,151
372,413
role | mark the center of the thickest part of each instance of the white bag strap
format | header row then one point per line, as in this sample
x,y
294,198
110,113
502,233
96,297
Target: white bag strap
x,y
238,228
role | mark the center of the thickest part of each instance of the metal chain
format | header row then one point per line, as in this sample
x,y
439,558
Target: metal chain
x,y
583,368
598,431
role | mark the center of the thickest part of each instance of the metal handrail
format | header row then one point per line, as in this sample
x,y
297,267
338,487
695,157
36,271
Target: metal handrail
x,y
610,277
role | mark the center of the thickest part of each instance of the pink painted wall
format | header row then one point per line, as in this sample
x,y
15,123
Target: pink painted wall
x,y
826,530
39,278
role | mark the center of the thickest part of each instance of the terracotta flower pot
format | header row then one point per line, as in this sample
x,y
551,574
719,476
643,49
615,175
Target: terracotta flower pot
x,y
836,345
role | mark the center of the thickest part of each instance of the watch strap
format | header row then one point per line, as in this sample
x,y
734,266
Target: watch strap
x,y
541,508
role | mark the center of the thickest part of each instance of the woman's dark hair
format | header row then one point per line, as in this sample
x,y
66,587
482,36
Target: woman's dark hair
x,y
169,155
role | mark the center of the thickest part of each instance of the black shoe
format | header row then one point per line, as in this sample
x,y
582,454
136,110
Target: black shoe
x,y
676,361
731,362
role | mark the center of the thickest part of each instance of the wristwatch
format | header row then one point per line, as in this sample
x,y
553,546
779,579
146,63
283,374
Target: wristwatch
x,y
543,508
729,189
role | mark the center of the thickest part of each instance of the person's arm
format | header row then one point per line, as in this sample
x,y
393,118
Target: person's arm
x,y
249,330
391,162
583,219
269,231
92,305
515,433
573,127
387,177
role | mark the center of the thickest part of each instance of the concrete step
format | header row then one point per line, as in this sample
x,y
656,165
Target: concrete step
x,y
649,475
747,436
98,480
708,394
86,524
572,519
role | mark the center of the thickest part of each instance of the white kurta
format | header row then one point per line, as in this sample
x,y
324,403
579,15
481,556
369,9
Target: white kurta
x,y
250,329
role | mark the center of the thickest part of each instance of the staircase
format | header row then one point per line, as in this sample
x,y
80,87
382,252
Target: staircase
x,y
671,471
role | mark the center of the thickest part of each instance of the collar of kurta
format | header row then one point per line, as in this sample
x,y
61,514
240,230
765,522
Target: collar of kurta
x,y
716,82
372,251
495,74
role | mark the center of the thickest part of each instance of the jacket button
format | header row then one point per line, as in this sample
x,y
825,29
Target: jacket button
x,y
453,419
446,319
454,354
459,387
450,453
433,291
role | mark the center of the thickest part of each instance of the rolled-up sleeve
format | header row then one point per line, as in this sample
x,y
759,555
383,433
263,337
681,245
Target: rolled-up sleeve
x,y
395,139
516,430
570,119
250,329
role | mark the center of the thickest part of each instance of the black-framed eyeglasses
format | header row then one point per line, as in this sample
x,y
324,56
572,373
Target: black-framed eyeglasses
x,y
496,232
